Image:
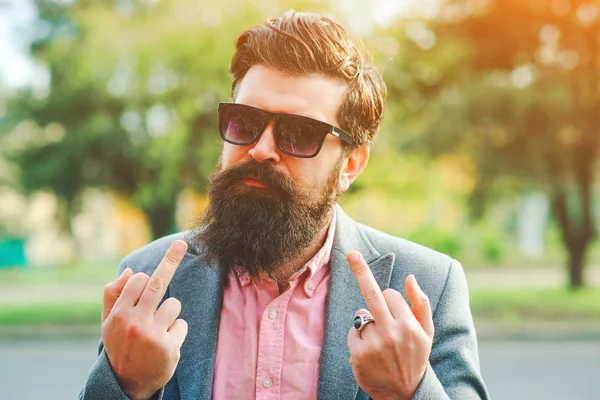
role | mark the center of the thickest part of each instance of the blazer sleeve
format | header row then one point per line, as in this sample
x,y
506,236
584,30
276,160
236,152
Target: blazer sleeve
x,y
453,371
102,382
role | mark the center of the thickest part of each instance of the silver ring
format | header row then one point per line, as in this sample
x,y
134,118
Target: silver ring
x,y
361,320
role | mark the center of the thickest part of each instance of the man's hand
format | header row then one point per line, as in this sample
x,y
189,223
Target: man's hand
x,y
142,342
389,357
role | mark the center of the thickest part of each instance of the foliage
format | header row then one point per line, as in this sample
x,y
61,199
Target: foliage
x,y
514,85
131,100
444,241
509,85
491,248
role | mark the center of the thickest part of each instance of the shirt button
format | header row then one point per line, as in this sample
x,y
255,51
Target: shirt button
x,y
268,382
310,285
272,315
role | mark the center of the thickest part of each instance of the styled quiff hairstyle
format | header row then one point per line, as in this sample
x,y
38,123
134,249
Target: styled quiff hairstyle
x,y
305,44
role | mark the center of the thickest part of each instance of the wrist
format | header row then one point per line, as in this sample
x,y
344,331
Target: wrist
x,y
133,393
139,395
393,396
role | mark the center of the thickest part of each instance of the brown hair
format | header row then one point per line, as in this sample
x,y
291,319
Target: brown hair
x,y
305,43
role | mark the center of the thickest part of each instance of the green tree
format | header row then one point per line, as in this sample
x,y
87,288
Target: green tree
x,y
516,85
133,93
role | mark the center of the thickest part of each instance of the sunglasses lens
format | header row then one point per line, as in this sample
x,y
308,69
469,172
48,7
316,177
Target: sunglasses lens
x,y
295,135
240,125
299,136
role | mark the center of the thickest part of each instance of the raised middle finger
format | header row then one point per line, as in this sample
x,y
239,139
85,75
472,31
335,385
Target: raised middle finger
x,y
369,288
160,279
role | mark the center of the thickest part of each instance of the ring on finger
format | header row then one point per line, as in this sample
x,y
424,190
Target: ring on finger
x,y
362,320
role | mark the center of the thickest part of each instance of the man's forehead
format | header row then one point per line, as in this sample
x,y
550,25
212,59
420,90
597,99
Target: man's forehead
x,y
314,96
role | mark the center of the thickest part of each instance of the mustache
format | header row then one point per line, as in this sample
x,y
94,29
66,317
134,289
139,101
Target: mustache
x,y
262,172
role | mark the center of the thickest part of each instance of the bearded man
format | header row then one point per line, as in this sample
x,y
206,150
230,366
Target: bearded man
x,y
278,294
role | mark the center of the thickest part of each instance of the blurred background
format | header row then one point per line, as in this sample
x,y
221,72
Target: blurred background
x,y
488,152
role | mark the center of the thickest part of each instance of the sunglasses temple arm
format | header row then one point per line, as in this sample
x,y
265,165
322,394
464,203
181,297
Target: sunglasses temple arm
x,y
341,134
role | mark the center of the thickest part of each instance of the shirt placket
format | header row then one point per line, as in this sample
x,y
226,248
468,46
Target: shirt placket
x,y
270,347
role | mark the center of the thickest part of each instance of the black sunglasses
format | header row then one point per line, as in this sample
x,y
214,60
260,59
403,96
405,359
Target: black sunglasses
x,y
295,135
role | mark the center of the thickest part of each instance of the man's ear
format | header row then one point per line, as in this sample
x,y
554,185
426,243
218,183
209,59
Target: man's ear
x,y
355,162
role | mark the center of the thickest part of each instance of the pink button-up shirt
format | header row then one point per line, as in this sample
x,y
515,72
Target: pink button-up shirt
x,y
269,343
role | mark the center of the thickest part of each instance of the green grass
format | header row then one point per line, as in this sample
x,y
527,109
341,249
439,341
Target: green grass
x,y
80,313
76,273
506,305
536,304
35,313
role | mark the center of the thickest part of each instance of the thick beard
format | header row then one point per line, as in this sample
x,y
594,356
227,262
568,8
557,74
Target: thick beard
x,y
256,231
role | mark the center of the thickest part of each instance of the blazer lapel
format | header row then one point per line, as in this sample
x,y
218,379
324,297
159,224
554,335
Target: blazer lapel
x,y
199,287
336,379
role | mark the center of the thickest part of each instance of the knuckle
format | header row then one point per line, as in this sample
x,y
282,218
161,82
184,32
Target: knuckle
x,y
371,294
184,324
389,339
359,357
135,330
175,302
118,317
362,270
155,283
171,306
171,258
410,329
165,346
144,276
109,288
377,348
177,355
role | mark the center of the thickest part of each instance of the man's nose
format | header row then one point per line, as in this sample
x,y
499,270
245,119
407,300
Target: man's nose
x,y
265,149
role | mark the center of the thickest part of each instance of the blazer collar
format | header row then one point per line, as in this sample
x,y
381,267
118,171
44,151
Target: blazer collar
x,y
336,379
193,280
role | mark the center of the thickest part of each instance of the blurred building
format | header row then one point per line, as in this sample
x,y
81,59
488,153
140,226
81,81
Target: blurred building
x,y
107,227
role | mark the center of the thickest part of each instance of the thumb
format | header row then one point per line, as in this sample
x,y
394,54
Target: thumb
x,y
112,291
420,306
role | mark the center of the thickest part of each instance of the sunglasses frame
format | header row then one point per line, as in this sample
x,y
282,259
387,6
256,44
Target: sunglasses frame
x,y
272,116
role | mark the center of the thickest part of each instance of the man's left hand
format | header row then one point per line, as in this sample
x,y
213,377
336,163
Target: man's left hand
x,y
389,356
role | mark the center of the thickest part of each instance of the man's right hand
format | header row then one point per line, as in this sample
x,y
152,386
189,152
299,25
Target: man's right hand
x,y
142,341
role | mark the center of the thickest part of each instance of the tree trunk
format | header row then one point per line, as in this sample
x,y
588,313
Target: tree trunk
x,y
478,199
577,233
576,265
161,218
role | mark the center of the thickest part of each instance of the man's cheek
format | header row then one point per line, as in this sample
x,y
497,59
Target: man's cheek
x,y
230,155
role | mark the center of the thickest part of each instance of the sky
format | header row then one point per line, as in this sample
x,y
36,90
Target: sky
x,y
17,69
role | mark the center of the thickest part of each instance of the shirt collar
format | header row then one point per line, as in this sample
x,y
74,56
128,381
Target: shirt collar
x,y
318,265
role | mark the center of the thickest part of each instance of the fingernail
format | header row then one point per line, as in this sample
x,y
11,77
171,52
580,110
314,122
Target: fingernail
x,y
355,256
122,273
179,246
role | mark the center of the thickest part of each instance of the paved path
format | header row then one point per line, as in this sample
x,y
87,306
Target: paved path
x,y
542,370
56,370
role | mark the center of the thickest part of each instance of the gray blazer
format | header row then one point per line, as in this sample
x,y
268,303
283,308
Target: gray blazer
x,y
453,371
